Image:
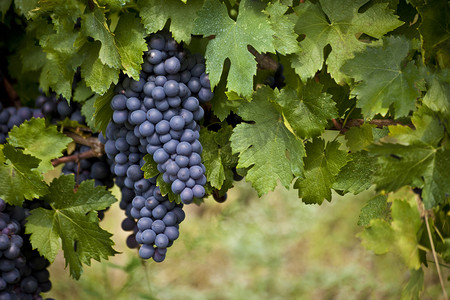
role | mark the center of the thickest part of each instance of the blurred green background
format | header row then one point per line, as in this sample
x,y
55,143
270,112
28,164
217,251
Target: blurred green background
x,y
273,247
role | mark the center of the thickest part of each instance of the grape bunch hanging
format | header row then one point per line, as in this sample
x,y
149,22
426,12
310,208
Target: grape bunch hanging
x,y
158,115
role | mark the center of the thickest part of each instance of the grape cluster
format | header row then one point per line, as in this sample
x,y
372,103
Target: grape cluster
x,y
23,272
11,116
57,108
158,115
96,168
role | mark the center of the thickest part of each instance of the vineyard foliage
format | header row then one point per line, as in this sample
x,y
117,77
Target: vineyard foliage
x,y
374,72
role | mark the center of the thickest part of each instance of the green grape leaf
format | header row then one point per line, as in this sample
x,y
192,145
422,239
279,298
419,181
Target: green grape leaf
x,y
358,174
399,236
231,41
149,167
81,93
24,6
285,38
39,140
103,111
93,24
437,97
97,75
72,223
359,138
217,154
340,32
4,6
375,208
322,164
19,178
156,13
415,285
434,30
384,81
220,103
266,147
413,157
88,111
306,108
131,44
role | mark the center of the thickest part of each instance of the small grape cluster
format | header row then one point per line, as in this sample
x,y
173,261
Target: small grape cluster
x,y
11,116
23,272
158,115
57,108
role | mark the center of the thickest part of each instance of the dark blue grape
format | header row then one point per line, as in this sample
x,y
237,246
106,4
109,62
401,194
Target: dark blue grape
x,y
134,172
146,129
161,240
172,168
184,148
172,233
162,105
6,265
171,146
12,276
185,76
138,202
120,170
205,95
144,212
163,127
204,81
171,88
130,93
180,214
120,116
175,77
151,203
160,156
157,42
194,84
195,159
170,219
121,144
158,226
197,147
144,223
146,251
198,70
141,185
154,57
159,211
137,117
118,102
148,88
183,174
176,134
184,91
154,115
4,242
137,86
190,183
128,224
191,104
188,136
187,195
183,161
198,191
133,158
133,103
147,67
29,285
63,109
199,113
195,172
177,123
160,80
172,65
159,69
158,93
174,101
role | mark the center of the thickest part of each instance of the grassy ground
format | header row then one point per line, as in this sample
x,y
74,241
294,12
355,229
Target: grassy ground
x,y
272,247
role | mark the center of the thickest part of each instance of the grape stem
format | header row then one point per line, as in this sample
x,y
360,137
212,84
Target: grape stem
x,y
97,149
75,157
264,61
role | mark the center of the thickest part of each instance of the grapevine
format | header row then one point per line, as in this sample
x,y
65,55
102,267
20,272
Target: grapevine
x,y
173,102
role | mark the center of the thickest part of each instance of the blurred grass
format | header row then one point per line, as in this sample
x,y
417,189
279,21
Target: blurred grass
x,y
272,247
